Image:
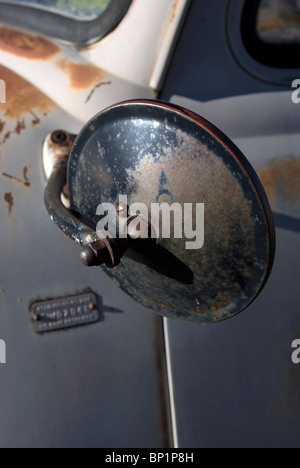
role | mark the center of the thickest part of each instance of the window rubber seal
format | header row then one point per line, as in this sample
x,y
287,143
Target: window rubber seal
x,y
70,30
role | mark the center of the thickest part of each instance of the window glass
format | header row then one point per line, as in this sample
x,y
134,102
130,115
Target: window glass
x,y
80,9
278,21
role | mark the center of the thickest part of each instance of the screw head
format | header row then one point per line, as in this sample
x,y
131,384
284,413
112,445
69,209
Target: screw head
x,y
59,137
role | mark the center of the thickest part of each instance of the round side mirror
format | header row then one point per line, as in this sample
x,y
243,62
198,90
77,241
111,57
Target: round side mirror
x,y
172,208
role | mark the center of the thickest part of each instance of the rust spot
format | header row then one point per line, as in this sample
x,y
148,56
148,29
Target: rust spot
x,y
18,129
281,179
25,175
36,121
26,45
9,199
20,126
22,97
6,137
24,181
81,75
2,125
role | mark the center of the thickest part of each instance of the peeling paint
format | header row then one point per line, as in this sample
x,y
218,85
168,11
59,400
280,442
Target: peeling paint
x,y
26,45
81,75
22,97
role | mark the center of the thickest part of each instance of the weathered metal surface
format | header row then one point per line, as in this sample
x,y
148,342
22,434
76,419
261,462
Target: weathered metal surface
x,y
88,377
22,98
281,179
82,75
26,45
24,111
240,388
124,151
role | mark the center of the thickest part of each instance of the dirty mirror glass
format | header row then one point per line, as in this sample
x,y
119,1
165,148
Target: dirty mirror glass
x,y
85,10
209,240
278,21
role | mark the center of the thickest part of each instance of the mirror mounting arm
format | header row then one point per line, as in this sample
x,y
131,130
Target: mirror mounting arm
x,y
58,213
96,251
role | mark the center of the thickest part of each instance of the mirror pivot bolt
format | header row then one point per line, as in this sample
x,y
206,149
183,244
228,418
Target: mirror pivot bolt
x,y
95,254
88,257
